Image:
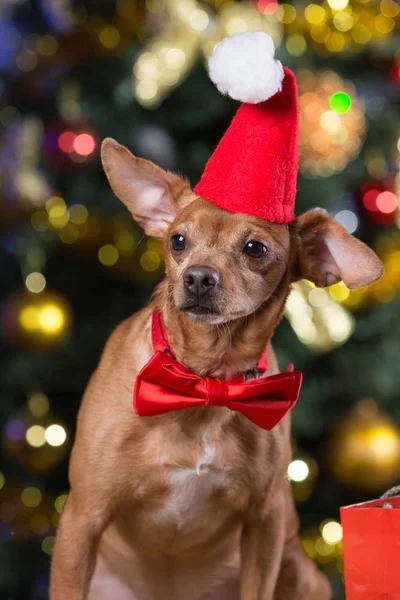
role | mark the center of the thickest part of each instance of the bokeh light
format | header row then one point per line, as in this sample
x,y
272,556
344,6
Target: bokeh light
x,y
298,470
31,497
55,435
84,144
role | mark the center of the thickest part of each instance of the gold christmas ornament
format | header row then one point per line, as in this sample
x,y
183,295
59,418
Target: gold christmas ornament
x,y
364,451
332,123
38,321
34,438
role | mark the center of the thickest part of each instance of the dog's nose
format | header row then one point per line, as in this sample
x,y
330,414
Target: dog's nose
x,y
200,280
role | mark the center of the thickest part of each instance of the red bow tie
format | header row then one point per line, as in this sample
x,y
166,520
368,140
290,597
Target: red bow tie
x,y
165,384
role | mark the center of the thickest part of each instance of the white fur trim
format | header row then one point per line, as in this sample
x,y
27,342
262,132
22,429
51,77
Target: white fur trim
x,y
243,67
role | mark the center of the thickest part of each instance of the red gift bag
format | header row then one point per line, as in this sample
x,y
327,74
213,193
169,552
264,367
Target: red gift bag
x,y
371,549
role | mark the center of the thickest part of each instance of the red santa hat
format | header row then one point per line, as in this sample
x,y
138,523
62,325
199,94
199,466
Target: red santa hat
x,y
254,167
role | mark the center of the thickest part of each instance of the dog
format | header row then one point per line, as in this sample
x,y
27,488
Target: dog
x,y
195,504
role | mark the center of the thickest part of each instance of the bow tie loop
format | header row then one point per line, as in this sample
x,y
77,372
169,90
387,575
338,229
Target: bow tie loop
x,y
217,392
165,384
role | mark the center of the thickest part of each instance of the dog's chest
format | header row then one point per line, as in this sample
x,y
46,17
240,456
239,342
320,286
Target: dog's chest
x,y
200,494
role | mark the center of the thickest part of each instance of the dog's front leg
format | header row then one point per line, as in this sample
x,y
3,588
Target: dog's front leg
x,y
74,556
261,553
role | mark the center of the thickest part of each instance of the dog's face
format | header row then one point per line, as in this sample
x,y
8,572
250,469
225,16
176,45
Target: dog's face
x,y
222,266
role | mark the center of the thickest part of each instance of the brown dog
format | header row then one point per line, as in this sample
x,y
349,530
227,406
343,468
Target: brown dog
x,y
195,504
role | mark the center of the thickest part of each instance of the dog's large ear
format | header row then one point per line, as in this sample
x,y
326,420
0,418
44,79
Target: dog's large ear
x,y
151,194
326,253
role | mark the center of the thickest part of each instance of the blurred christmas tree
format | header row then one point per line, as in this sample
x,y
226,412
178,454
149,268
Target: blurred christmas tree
x,y
73,264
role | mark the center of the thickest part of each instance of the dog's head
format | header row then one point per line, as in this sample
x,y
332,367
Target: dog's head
x,y
220,265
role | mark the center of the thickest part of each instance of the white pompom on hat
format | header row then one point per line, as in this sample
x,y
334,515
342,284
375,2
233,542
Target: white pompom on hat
x,y
244,67
254,168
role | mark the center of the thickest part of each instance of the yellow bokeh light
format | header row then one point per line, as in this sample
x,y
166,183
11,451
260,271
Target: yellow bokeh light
x,y
38,404
390,8
40,220
315,14
35,282
296,44
48,545
125,242
335,42
343,21
384,25
286,13
31,497
78,214
175,58
332,532
53,202
69,234
108,255
29,318
35,436
150,261
199,20
60,502
55,435
236,25
58,216
47,45
338,4
51,319
109,37
298,470
361,34
146,89
339,292
2,480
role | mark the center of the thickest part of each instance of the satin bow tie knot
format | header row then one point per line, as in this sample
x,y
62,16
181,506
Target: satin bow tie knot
x,y
165,384
217,392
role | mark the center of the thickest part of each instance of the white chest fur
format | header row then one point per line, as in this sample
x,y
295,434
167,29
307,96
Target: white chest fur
x,y
191,489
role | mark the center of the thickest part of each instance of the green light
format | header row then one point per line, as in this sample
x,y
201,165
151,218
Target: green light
x,y
340,102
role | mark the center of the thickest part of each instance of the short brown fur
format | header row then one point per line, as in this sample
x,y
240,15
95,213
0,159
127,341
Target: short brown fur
x,y
194,505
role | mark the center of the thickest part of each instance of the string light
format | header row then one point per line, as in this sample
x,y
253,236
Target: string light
x,y
35,436
84,144
35,282
38,404
108,255
298,470
340,102
60,503
316,317
55,435
48,545
31,497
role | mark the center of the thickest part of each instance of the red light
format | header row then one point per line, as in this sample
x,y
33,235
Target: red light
x,y
386,203
66,141
370,200
395,72
84,144
267,7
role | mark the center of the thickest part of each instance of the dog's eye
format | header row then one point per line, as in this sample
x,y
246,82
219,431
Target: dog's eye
x,y
178,242
255,249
